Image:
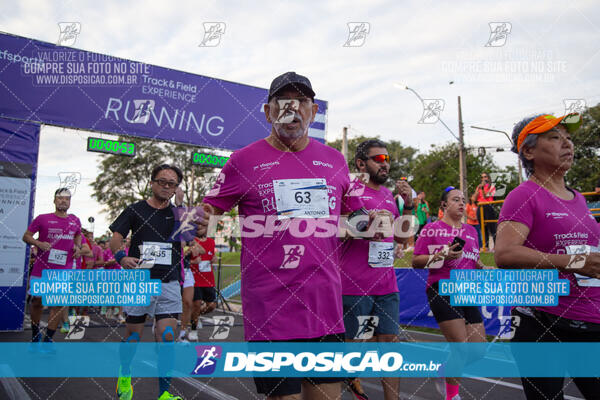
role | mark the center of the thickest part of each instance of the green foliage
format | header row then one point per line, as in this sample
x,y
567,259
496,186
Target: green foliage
x,y
125,180
585,171
400,156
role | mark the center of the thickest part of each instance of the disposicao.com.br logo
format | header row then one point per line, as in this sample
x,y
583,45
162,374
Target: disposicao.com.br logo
x,y
303,361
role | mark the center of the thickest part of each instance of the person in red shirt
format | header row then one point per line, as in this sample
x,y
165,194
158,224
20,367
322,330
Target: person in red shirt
x,y
205,294
473,218
485,192
96,260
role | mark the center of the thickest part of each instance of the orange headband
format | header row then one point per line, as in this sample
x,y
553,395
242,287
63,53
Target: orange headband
x,y
544,123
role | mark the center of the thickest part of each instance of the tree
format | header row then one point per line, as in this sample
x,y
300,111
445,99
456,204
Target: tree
x,y
125,180
401,157
434,171
585,171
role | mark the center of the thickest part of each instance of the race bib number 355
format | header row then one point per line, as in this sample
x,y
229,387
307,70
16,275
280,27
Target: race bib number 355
x,y
301,198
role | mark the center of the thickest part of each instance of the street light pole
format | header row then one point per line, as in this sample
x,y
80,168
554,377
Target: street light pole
x,y
511,142
462,152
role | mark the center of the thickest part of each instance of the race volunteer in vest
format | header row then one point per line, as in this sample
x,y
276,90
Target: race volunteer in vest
x,y
59,244
436,251
290,190
486,191
544,224
151,224
205,294
369,286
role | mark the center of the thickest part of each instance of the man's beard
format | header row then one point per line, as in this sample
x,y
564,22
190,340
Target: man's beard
x,y
377,178
297,134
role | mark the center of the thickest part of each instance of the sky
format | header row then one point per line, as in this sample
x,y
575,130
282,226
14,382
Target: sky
x,y
550,53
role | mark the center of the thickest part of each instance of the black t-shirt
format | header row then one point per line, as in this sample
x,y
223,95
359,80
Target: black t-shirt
x,y
152,227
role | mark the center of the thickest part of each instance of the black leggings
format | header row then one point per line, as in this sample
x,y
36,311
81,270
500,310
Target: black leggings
x,y
545,327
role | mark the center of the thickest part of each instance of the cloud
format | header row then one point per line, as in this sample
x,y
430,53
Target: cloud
x,y
423,44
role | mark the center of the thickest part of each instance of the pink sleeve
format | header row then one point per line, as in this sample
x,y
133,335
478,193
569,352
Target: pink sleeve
x,y
423,241
34,227
518,207
351,200
227,190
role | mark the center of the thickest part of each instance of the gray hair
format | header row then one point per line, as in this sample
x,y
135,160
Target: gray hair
x,y
530,141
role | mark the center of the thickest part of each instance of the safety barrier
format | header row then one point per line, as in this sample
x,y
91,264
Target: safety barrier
x,y
594,209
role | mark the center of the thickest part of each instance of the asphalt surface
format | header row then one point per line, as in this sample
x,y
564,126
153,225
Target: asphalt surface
x,y
101,329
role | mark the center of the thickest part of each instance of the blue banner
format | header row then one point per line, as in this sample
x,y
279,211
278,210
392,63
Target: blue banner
x,y
415,311
64,86
370,359
18,166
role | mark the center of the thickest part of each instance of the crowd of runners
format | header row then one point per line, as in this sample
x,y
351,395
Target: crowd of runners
x,y
318,249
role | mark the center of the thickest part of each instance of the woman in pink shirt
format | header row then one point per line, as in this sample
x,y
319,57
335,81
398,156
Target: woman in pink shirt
x,y
445,245
544,224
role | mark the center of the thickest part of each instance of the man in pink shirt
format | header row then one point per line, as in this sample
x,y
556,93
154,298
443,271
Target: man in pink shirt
x,y
369,286
59,244
290,190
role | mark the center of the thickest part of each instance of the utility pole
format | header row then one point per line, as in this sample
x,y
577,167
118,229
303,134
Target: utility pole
x,y
462,154
462,158
511,142
345,142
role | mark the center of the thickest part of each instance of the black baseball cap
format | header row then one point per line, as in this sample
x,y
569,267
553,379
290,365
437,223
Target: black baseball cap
x,y
298,82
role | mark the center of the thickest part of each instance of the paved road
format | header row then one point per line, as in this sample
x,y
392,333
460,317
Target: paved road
x,y
226,388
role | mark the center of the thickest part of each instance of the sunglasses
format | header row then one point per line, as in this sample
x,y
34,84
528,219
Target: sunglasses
x,y
165,183
380,158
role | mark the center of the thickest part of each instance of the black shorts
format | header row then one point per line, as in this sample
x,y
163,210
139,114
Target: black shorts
x,y
443,311
285,386
546,327
206,294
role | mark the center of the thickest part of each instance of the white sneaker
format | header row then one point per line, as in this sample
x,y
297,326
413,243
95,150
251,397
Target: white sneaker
x,y
457,397
192,336
440,385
